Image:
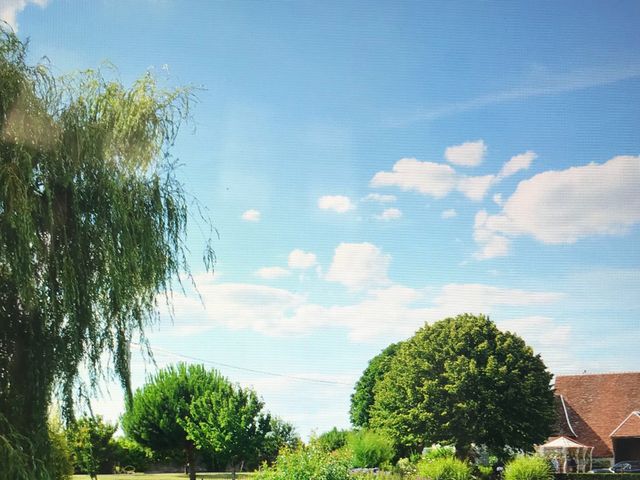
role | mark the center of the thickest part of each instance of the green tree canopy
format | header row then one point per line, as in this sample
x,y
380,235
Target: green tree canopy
x,y
463,381
92,446
92,224
228,422
155,416
363,396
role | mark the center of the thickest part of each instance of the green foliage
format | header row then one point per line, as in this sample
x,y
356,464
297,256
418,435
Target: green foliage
x,y
405,467
130,453
90,440
227,421
463,381
332,440
439,451
92,221
370,449
528,467
307,463
363,395
280,435
444,468
155,416
60,463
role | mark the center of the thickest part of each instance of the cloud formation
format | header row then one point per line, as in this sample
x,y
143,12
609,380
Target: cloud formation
x,y
433,179
359,266
449,213
251,216
272,273
337,203
388,311
389,214
9,10
299,259
517,163
561,207
376,197
468,154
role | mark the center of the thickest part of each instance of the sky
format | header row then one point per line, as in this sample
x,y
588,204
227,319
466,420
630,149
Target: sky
x,y
372,166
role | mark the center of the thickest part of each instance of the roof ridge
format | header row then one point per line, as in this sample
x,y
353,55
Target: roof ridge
x,y
597,374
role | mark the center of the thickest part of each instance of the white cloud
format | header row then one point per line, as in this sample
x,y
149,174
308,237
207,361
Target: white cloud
x,y
359,266
497,199
271,273
468,154
517,163
337,203
9,9
480,298
433,179
389,214
428,178
300,259
475,188
493,243
450,213
376,197
251,216
561,207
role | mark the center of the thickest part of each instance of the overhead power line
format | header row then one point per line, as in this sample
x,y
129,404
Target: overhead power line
x,y
244,369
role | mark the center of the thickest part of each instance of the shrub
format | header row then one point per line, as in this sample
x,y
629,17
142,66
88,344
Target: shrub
x,y
60,464
439,451
528,468
129,453
444,468
306,463
332,440
370,449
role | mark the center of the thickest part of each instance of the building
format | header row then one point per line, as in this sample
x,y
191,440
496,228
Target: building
x,y
602,411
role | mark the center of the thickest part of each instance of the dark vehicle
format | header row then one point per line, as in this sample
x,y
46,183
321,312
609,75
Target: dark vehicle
x,y
627,466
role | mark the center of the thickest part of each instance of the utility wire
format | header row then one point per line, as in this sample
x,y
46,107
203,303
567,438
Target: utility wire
x,y
244,369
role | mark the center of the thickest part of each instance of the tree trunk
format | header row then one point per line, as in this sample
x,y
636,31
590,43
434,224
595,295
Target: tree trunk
x,y
191,463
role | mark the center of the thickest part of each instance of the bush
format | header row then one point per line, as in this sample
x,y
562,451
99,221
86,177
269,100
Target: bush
x,y
528,468
60,464
370,449
444,468
439,451
306,463
332,440
129,453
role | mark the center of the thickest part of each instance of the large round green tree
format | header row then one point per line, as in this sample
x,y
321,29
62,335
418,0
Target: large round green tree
x,y
92,224
363,395
462,381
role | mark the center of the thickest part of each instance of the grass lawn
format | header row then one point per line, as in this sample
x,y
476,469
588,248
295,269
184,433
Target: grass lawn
x,y
165,476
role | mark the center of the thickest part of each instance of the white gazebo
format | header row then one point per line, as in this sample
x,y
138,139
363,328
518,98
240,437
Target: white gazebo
x,y
564,448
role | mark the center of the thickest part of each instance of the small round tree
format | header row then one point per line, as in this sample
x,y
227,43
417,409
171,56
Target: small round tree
x,y
462,381
155,416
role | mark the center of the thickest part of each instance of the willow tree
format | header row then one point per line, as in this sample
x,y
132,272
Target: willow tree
x,y
92,225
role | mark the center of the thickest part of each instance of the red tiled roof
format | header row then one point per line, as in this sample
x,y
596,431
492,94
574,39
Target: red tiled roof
x,y
630,426
597,404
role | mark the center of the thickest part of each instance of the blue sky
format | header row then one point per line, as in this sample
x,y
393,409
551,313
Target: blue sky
x,y
371,166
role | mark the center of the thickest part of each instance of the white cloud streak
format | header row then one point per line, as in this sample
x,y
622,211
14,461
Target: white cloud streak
x,y
553,84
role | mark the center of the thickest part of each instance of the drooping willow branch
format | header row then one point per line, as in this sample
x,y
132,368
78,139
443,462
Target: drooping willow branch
x,y
92,226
